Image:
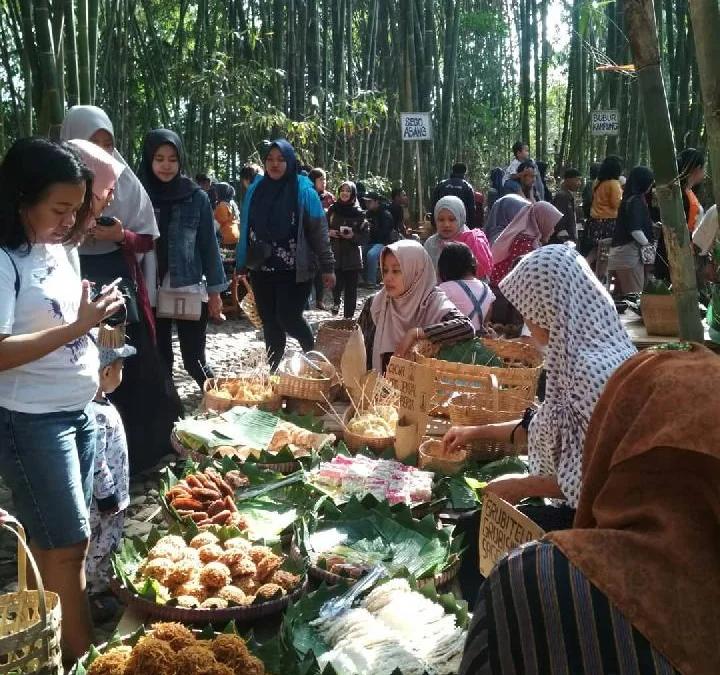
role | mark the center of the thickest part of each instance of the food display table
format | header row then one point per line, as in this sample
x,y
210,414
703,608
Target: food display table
x,y
635,328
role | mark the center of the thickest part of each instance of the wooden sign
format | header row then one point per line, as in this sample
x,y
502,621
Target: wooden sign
x,y
502,529
416,126
416,384
604,122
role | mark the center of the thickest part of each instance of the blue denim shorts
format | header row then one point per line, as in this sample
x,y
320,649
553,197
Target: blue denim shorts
x,y
47,462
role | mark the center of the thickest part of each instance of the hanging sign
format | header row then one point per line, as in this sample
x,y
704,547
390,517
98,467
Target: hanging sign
x,y
502,529
605,123
416,126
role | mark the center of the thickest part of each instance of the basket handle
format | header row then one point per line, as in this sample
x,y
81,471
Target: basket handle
x,y
321,355
495,391
246,283
23,556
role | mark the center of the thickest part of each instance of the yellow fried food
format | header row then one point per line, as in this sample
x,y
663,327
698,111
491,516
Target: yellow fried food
x,y
232,594
210,553
237,543
247,585
257,553
202,539
182,572
233,556
111,663
175,634
269,592
285,579
192,588
242,568
158,569
267,567
166,551
194,660
215,575
171,540
214,603
192,555
151,657
187,601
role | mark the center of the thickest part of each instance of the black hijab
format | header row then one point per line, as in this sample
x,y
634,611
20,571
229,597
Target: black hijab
x,y
274,203
639,181
351,208
179,188
225,192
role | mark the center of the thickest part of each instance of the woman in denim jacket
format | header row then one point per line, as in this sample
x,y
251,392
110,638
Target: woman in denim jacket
x,y
187,250
283,241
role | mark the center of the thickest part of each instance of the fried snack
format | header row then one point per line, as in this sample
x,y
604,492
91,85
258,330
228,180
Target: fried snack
x,y
232,557
232,594
167,551
232,651
257,553
112,663
215,575
187,601
252,666
238,520
175,634
237,542
194,660
151,657
285,579
171,540
218,669
192,555
214,603
192,588
182,572
236,480
269,592
242,568
158,569
267,566
247,585
210,553
203,539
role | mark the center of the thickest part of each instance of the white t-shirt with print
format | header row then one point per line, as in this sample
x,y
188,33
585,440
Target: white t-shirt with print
x,y
50,289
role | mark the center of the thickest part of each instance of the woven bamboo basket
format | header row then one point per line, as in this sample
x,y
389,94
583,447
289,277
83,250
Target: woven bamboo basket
x,y
467,410
29,619
354,441
249,306
513,354
332,338
211,401
659,314
301,386
431,460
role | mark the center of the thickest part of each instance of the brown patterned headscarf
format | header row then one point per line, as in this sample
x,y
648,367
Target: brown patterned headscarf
x,y
647,529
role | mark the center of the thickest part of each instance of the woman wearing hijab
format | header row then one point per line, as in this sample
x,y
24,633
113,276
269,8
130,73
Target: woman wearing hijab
x,y
634,234
450,216
634,587
501,215
147,400
408,308
571,316
348,230
188,253
606,197
226,214
283,240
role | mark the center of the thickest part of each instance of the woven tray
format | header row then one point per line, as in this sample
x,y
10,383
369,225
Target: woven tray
x,y
202,616
354,441
212,401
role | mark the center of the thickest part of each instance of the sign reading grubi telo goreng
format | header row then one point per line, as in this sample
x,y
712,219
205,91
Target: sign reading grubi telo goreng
x,y
605,123
416,126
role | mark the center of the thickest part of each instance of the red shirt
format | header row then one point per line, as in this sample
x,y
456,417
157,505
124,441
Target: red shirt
x,y
522,245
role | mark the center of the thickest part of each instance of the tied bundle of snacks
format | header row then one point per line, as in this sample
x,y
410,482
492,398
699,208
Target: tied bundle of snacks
x,y
207,497
211,571
173,649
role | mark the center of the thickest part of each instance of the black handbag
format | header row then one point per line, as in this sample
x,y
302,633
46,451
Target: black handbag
x,y
103,269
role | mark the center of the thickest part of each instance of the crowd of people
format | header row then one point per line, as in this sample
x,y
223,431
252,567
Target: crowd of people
x,y
87,242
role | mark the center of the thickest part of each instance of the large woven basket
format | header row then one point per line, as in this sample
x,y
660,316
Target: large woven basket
x,y
249,306
659,314
211,400
487,407
302,386
29,619
332,338
354,441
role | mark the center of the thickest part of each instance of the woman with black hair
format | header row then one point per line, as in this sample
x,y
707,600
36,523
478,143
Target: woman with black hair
x,y
606,196
691,170
49,367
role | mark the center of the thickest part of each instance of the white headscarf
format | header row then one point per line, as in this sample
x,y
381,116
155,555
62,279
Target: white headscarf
x,y
131,206
554,288
420,305
435,243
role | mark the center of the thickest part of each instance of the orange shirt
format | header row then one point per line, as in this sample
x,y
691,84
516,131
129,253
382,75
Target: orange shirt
x,y
229,224
695,211
606,199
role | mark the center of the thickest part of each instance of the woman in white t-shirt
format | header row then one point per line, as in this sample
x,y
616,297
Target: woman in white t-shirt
x,y
49,367
457,269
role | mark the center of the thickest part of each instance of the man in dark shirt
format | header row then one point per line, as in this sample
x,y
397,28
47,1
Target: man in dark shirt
x,y
457,186
382,233
564,201
397,206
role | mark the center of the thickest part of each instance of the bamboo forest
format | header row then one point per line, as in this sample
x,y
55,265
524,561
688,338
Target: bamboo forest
x,y
333,77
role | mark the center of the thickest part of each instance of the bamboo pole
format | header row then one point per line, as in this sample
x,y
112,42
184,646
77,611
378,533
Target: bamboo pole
x,y
52,105
73,79
642,34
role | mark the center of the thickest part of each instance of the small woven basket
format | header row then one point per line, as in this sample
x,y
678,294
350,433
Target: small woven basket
x,y
468,410
659,314
212,401
354,441
332,338
29,619
301,385
249,306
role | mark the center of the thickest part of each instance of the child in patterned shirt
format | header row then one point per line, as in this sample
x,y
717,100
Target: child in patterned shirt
x,y
111,475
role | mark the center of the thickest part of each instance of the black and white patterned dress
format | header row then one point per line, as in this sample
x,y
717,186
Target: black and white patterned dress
x,y
555,289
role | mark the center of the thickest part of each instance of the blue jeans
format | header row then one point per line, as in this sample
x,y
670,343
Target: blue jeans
x,y
372,261
47,462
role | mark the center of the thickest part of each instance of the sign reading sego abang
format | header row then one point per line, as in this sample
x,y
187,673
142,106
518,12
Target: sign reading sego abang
x,y
416,126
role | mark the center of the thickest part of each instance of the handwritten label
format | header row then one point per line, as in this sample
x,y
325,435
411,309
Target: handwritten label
x,y
416,384
502,529
416,126
605,123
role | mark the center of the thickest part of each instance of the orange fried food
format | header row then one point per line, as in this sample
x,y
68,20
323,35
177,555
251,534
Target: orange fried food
x,y
182,572
193,588
232,594
171,540
243,567
112,663
247,585
191,554
158,569
167,551
210,553
218,669
194,660
188,601
269,592
267,566
233,557
237,543
232,651
175,634
238,520
151,657
214,603
215,575
257,553
203,539
285,579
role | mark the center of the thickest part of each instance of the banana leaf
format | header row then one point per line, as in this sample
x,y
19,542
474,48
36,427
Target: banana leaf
x,y
379,533
472,352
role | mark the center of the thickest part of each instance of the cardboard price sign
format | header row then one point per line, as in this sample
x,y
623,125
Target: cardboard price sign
x,y
416,384
502,529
